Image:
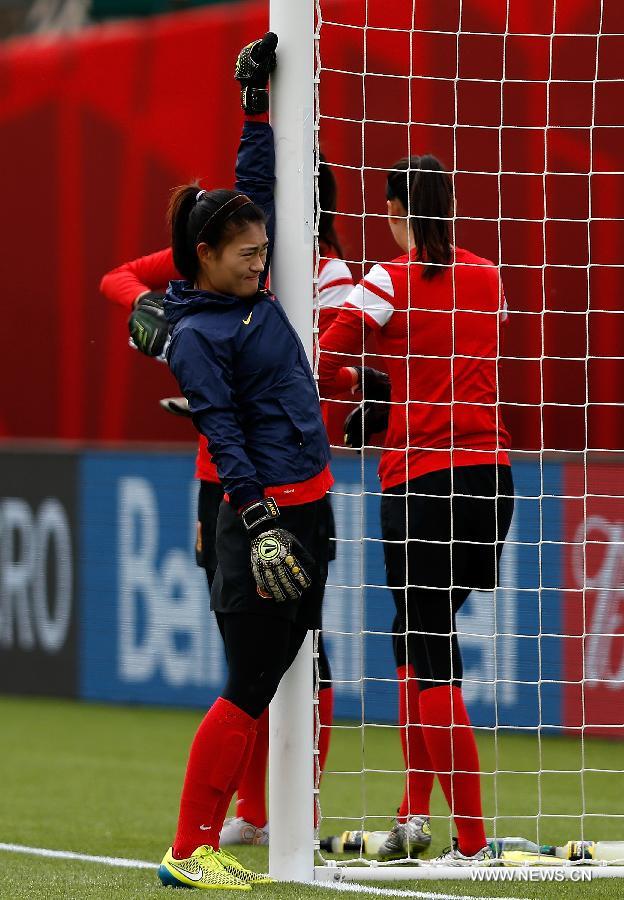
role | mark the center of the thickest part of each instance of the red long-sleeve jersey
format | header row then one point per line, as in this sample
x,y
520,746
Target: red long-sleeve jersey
x,y
154,272
440,344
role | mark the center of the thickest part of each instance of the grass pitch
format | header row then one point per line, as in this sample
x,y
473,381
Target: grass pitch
x,y
105,781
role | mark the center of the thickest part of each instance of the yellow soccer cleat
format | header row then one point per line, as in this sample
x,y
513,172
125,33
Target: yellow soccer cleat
x,y
232,865
202,869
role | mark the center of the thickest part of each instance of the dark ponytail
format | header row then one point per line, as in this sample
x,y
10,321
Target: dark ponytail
x,y
426,190
328,198
196,216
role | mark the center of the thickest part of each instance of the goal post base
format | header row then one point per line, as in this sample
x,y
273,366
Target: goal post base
x,y
339,874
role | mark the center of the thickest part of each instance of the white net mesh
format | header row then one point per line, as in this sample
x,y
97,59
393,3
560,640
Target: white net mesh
x,y
521,103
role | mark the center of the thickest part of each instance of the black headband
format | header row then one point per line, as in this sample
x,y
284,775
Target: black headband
x,y
223,213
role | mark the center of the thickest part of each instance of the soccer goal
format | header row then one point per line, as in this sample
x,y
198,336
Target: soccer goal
x,y
522,103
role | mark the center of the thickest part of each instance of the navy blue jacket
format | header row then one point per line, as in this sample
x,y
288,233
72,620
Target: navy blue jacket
x,y
255,175
243,369
250,389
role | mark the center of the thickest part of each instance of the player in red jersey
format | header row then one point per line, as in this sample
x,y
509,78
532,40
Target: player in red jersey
x,y
148,277
447,489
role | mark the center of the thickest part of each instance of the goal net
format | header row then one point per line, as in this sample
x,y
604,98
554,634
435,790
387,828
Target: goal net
x,y
521,102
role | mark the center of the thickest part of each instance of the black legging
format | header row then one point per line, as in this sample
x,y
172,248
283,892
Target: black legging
x,y
259,650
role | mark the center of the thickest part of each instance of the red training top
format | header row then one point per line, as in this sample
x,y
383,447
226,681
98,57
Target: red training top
x,y
153,273
440,343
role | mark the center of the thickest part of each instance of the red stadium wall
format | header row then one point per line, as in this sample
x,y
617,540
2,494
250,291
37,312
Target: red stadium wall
x,y
95,129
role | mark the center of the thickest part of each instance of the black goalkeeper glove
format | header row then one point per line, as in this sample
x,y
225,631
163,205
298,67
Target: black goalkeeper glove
x,y
148,326
369,418
255,63
373,384
280,564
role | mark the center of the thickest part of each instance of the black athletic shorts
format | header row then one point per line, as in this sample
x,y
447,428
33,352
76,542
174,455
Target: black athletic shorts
x,y
455,522
234,588
208,502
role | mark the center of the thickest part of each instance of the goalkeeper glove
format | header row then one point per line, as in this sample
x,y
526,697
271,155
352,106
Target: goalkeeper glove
x,y
148,326
255,63
373,384
369,418
279,562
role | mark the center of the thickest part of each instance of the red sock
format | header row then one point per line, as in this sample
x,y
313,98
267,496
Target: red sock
x,y
251,803
215,758
224,802
455,758
419,771
326,717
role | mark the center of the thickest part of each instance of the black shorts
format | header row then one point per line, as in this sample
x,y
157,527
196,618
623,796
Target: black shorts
x,y
208,502
443,538
455,522
234,588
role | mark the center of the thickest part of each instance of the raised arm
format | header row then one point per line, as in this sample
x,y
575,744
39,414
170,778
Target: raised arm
x,y
255,163
255,173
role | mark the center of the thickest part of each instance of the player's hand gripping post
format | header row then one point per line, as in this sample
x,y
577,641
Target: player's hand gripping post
x,y
254,65
280,564
147,324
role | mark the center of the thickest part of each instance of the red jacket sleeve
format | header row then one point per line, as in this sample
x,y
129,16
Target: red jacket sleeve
x,y
148,273
346,336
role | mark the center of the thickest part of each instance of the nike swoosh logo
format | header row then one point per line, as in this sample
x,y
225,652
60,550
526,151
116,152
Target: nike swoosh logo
x,y
205,827
192,876
248,319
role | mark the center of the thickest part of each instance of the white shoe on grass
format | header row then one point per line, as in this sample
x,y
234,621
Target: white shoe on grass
x,y
453,856
238,831
407,838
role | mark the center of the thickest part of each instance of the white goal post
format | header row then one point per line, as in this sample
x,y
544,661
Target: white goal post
x,y
530,679
291,732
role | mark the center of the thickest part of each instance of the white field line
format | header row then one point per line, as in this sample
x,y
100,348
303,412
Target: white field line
x,y
117,861
352,887
121,862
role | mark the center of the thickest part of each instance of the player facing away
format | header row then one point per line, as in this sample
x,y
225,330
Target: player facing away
x,y
146,278
251,393
447,489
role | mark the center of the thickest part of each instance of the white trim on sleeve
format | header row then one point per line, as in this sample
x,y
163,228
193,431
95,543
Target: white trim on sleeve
x,y
335,296
374,295
333,270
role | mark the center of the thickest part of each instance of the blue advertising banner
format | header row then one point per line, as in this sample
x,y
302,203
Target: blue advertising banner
x,y
147,634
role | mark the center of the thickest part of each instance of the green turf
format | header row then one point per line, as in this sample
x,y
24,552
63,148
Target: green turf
x,y
106,780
